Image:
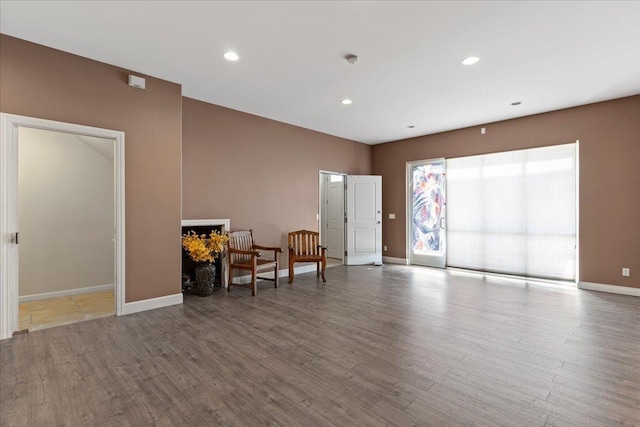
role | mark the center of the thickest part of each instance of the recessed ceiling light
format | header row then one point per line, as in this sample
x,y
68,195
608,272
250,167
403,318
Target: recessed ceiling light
x,y
231,56
347,101
516,103
470,60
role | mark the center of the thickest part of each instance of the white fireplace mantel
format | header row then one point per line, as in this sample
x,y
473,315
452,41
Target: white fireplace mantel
x,y
225,225
194,222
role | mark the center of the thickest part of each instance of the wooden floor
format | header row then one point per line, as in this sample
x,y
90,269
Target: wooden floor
x,y
391,345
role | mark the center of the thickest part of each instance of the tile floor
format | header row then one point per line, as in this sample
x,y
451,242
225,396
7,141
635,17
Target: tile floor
x,y
47,313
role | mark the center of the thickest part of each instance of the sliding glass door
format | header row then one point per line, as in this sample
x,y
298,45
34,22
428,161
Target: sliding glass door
x,y
426,210
514,212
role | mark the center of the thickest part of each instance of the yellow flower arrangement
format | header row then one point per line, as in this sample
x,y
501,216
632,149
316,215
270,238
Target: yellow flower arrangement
x,y
203,248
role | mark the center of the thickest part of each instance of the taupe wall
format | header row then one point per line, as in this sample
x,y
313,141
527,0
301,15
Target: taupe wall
x,y
609,161
65,212
259,173
46,83
264,174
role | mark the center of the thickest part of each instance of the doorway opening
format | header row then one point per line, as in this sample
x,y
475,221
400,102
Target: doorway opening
x,y
332,216
63,218
350,218
66,219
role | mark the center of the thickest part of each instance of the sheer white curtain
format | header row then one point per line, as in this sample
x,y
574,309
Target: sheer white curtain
x,y
514,212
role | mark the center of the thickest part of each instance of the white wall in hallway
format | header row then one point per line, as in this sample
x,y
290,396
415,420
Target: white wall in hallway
x,y
66,208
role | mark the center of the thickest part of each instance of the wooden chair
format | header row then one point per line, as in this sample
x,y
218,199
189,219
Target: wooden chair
x,y
243,255
304,246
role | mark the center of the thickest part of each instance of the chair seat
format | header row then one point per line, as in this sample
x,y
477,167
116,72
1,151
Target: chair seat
x,y
260,264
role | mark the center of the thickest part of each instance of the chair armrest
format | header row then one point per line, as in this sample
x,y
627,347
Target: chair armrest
x,y
267,248
241,252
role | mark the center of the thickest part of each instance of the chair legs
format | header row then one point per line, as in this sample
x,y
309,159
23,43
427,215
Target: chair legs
x,y
254,282
320,267
291,272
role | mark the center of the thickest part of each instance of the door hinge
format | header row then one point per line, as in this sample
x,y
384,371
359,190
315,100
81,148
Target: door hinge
x,y
345,253
345,220
16,238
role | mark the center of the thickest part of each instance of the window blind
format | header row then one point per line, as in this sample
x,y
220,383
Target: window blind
x,y
514,212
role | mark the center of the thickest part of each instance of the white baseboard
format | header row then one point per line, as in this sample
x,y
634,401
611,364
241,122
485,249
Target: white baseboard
x,y
612,289
281,273
152,303
392,260
68,292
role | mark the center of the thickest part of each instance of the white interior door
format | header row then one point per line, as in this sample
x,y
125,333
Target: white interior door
x,y
426,213
335,216
10,237
364,219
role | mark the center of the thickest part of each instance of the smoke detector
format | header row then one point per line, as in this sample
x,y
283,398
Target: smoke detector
x,y
351,59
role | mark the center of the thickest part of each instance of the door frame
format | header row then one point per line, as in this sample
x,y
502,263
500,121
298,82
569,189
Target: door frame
x,y
321,174
9,289
409,204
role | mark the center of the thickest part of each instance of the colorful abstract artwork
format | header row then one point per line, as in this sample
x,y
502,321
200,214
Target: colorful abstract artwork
x,y
428,208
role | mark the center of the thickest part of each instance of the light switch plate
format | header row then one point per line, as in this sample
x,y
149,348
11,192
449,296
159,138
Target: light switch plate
x,y
392,216
625,272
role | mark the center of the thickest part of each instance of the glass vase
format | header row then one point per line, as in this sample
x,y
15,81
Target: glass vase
x,y
205,278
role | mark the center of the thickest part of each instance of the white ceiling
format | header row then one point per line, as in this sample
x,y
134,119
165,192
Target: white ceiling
x,y
548,55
